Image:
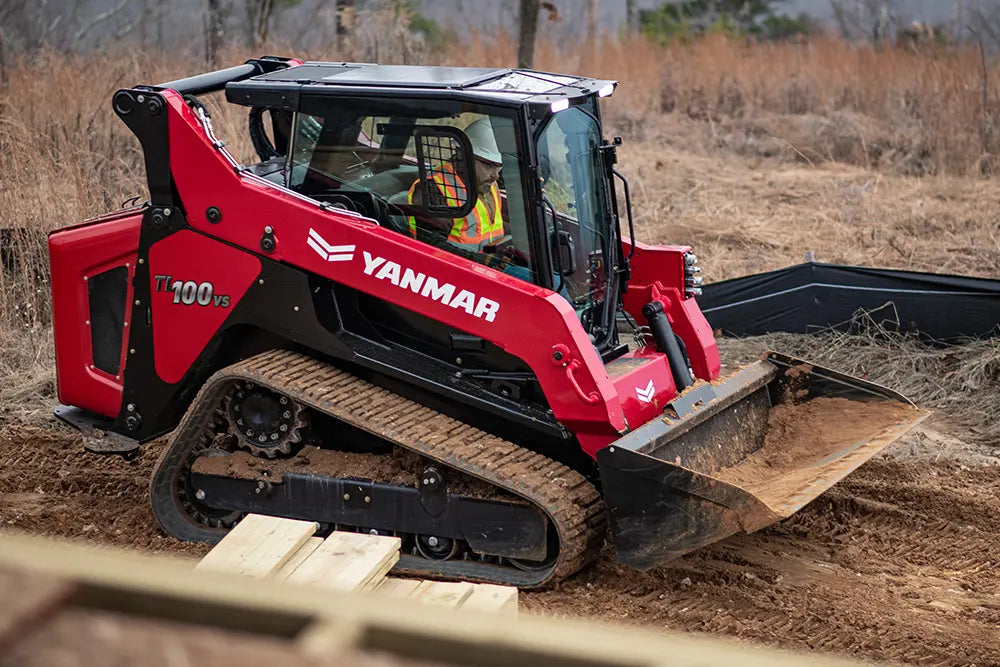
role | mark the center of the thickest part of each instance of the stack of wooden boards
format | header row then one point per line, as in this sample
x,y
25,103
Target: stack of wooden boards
x,y
68,604
286,550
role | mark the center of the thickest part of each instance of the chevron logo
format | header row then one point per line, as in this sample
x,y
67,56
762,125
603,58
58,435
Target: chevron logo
x,y
331,253
646,395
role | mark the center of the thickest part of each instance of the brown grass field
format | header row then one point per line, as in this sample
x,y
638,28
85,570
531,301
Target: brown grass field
x,y
752,153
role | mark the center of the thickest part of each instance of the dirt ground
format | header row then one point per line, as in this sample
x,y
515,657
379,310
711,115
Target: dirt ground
x,y
897,563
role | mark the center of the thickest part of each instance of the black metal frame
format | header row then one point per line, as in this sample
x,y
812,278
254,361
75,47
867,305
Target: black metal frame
x,y
489,527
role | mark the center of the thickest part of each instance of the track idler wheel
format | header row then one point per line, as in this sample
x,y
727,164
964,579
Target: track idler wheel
x,y
437,548
265,422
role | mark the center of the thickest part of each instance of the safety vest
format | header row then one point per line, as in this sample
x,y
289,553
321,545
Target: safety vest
x,y
474,230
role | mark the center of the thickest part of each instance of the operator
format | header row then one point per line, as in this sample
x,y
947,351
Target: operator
x,y
484,224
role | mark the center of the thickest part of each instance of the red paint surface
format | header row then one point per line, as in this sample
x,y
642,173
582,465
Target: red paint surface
x,y
658,272
76,253
181,331
634,387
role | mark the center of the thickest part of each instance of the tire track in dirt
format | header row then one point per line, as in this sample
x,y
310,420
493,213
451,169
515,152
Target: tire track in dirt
x,y
896,563
50,485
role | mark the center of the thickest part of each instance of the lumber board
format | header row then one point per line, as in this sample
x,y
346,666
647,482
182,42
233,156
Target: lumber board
x,y
443,593
298,558
349,562
258,545
494,598
28,601
164,588
399,588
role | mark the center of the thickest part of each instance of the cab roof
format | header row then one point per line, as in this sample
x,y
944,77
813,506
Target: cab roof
x,y
493,85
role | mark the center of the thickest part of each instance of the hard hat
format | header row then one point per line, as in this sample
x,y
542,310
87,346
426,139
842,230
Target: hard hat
x,y
484,144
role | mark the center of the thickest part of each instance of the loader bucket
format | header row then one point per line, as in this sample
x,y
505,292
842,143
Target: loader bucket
x,y
742,453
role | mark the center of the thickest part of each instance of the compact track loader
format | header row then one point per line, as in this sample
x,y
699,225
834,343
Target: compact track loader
x,y
321,347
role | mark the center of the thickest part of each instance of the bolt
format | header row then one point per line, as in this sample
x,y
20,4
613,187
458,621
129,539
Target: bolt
x,y
368,499
557,355
167,212
274,436
262,438
283,428
137,302
458,360
142,261
260,282
268,229
284,401
87,323
347,496
296,309
140,99
433,541
199,494
249,432
130,407
373,532
286,414
131,350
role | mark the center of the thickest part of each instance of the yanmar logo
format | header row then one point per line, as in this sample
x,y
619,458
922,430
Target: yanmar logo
x,y
430,287
646,395
331,253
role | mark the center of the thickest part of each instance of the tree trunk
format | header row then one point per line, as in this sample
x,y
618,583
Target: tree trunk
x,y
528,30
213,33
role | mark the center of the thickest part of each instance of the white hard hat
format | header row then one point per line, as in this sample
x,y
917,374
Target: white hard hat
x,y
484,144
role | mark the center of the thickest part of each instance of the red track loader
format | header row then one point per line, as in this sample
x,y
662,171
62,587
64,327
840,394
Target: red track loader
x,y
368,329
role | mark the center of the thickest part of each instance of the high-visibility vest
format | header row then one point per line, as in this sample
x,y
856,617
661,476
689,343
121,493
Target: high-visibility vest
x,y
474,230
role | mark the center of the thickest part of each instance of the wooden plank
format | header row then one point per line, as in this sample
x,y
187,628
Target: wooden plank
x,y
298,558
493,598
399,588
349,562
162,588
29,600
258,546
443,593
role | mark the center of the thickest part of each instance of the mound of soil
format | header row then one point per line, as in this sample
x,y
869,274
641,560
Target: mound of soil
x,y
802,437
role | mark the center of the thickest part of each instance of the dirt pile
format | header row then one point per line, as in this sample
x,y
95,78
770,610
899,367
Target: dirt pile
x,y
809,434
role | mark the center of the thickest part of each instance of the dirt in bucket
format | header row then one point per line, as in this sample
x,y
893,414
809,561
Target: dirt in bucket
x,y
804,435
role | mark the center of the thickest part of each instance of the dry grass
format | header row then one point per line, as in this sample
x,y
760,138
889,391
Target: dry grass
x,y
752,153
961,381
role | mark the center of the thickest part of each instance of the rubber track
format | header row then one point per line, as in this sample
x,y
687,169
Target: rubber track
x,y
574,506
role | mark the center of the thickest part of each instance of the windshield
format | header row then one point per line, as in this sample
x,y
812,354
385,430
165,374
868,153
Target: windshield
x,y
367,156
573,188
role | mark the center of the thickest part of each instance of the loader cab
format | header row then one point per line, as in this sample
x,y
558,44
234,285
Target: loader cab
x,y
403,145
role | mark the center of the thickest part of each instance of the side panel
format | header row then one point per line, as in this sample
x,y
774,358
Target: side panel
x,y
76,256
194,283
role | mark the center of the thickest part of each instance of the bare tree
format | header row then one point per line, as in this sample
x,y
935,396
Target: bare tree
x,y
214,32
528,20
631,16
259,20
